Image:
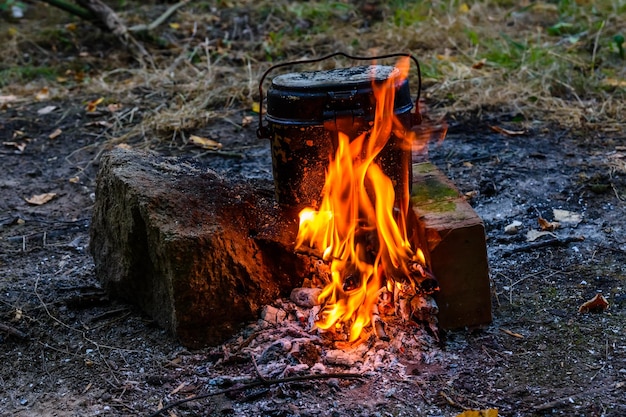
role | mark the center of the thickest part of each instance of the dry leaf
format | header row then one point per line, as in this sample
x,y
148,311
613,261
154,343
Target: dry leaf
x,y
93,105
490,412
75,180
46,110
513,228
567,218
20,146
40,199
597,304
507,131
71,27
113,107
479,64
205,143
247,121
546,225
43,94
124,146
55,134
7,99
175,26
533,235
614,82
256,107
471,194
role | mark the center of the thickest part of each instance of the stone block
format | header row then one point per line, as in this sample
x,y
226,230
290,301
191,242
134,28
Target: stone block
x,y
456,246
199,254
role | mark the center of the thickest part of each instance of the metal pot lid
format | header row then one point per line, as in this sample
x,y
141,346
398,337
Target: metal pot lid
x,y
311,97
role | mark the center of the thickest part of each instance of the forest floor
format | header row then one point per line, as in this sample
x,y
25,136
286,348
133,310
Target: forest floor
x,y
66,349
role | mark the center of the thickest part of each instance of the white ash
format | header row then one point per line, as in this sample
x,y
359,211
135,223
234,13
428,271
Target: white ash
x,y
285,341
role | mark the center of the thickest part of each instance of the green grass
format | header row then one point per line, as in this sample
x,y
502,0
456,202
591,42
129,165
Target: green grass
x,y
25,74
550,61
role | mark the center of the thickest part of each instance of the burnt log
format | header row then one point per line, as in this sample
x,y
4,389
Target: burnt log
x,y
200,254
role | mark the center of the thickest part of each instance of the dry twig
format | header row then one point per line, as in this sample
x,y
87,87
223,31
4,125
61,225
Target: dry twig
x,y
259,383
543,243
13,331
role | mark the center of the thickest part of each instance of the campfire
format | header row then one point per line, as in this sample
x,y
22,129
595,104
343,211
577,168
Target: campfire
x,y
361,231
372,245
361,227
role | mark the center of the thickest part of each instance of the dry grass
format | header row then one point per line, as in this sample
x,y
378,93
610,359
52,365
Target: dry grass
x,y
547,62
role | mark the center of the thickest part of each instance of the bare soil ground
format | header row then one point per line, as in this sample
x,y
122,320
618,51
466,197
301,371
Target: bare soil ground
x,y
66,349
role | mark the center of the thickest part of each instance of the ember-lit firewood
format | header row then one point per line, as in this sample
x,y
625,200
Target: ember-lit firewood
x,y
424,280
379,326
424,309
402,294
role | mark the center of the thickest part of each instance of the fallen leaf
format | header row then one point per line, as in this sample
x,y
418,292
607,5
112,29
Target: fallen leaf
x,y
597,304
46,110
256,107
175,26
124,146
546,225
490,412
567,218
7,99
471,194
20,146
75,180
71,27
42,94
246,121
55,134
614,82
113,107
93,104
205,143
507,132
533,235
464,8
513,227
479,64
40,199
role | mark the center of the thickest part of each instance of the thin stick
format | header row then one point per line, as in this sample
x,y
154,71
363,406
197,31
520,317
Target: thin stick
x,y
256,368
259,383
13,331
159,20
549,242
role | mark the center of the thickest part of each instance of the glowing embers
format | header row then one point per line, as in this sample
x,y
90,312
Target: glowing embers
x,y
361,229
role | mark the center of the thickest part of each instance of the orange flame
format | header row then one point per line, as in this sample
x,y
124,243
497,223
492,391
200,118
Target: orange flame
x,y
355,228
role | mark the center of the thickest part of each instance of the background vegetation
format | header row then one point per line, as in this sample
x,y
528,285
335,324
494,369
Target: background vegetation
x,y
554,61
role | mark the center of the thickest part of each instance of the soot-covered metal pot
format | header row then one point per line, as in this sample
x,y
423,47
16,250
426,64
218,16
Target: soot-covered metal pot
x,y
305,110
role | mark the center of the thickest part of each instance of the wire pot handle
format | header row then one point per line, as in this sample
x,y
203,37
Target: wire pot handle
x,y
263,131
